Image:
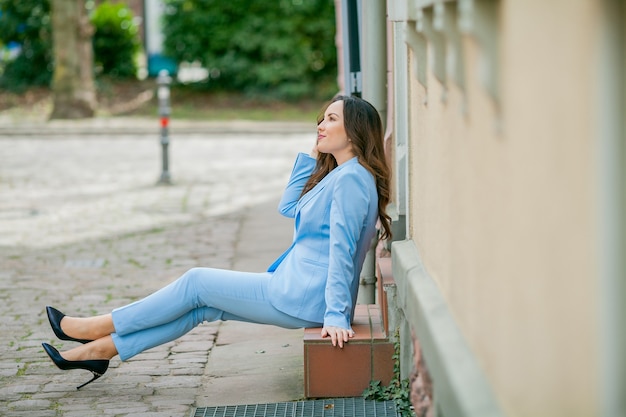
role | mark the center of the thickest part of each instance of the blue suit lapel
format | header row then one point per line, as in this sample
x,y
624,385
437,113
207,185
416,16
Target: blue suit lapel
x,y
320,186
312,192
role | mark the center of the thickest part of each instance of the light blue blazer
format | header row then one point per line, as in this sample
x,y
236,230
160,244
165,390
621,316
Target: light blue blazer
x,y
317,278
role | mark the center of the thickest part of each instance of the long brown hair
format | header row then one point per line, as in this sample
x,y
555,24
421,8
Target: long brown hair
x,y
365,129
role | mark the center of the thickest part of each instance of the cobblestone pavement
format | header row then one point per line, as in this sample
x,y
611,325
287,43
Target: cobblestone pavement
x,y
83,227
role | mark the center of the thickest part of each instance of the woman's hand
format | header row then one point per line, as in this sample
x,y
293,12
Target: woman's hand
x,y
338,336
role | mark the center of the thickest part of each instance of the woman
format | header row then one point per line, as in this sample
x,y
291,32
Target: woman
x,y
336,195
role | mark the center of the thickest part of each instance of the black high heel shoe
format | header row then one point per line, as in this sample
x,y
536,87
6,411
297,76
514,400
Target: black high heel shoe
x,y
96,367
55,317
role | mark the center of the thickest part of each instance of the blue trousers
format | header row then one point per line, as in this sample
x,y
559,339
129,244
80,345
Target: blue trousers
x,y
201,294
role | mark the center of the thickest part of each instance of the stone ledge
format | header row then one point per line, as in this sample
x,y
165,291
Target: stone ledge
x,y
459,384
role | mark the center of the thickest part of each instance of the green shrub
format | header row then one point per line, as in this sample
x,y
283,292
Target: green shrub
x,y
283,48
115,41
26,23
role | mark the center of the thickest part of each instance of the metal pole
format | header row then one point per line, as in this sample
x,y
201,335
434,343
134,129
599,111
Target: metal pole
x,y
367,279
374,57
163,93
350,10
373,22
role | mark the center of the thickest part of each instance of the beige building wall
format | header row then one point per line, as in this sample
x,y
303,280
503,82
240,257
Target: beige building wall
x,y
502,194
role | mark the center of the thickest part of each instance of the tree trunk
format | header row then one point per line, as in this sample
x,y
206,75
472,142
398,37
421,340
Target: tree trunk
x,y
72,83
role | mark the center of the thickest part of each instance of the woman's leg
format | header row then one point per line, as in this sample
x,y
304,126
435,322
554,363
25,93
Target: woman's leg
x,y
153,312
102,348
88,328
201,294
130,344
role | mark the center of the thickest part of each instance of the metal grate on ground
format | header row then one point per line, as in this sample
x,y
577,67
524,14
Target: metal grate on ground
x,y
335,407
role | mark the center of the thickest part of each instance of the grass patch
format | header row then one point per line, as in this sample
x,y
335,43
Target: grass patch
x,y
21,370
197,105
28,334
135,262
138,98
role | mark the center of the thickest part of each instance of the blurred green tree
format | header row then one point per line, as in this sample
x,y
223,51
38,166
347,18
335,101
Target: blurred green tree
x,y
284,48
25,28
115,41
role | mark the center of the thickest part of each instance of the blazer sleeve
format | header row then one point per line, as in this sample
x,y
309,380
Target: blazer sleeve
x,y
348,214
302,170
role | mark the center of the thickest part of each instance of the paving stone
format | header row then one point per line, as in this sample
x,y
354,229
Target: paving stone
x,y
7,372
54,387
164,402
53,396
30,413
160,370
78,403
169,407
120,409
76,413
175,383
30,405
18,389
188,370
187,358
193,347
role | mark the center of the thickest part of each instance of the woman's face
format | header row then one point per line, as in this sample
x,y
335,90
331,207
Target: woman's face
x,y
331,134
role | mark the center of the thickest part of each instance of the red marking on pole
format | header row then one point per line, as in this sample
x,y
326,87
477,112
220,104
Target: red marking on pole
x,y
164,121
